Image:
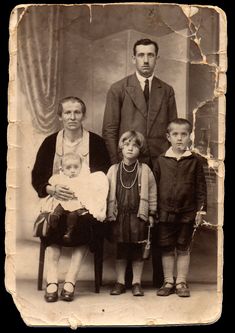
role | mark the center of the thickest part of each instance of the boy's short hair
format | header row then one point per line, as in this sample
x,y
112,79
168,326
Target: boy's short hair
x,y
72,99
132,135
180,121
71,156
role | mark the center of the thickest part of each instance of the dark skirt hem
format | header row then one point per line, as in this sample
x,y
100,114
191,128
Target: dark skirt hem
x,y
83,233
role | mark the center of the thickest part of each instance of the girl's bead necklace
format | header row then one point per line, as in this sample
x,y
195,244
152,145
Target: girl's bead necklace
x,y
129,171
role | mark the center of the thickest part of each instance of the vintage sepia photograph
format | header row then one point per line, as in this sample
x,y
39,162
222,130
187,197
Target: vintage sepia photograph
x,y
115,179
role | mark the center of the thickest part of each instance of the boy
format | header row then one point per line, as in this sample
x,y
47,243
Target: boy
x,y
181,203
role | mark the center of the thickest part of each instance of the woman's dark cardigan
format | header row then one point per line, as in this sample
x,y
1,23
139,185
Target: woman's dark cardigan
x,y
43,167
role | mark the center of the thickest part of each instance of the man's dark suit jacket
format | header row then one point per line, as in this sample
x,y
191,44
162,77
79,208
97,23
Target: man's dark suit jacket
x,y
126,109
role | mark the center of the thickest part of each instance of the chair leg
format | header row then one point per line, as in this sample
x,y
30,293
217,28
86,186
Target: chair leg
x,y
41,265
98,264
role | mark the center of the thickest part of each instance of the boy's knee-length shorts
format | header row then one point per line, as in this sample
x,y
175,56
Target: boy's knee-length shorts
x,y
175,234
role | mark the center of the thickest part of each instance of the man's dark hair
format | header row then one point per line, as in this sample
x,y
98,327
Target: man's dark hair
x,y
180,121
72,99
145,41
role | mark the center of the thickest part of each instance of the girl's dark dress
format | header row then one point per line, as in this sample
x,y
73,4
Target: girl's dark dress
x,y
128,228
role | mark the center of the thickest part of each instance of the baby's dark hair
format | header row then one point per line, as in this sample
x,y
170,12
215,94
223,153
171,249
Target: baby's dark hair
x,y
180,121
132,135
71,156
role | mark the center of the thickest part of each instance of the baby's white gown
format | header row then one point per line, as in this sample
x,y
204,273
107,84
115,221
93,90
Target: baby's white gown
x,y
90,192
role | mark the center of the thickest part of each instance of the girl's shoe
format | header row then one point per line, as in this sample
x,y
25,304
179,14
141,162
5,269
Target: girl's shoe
x,y
51,297
67,296
137,290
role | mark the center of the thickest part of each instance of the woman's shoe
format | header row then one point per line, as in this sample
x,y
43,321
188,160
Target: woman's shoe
x,y
51,297
67,296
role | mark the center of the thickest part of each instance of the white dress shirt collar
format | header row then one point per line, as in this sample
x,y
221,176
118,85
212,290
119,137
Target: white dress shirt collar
x,y
170,153
142,79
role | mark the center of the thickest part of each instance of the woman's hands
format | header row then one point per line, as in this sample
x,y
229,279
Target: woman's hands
x,y
60,192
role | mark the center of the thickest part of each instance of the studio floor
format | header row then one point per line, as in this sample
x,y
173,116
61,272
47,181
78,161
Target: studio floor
x,y
89,308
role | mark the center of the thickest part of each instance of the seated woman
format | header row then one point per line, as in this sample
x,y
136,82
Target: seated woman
x,y
72,139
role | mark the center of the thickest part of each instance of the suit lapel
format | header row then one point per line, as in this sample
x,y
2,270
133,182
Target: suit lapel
x,y
155,101
136,94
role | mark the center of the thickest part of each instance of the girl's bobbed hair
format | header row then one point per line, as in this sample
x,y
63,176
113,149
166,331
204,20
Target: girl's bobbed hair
x,y
132,135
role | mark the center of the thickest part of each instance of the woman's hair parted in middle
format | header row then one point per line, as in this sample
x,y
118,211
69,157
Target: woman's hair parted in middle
x,y
71,99
132,135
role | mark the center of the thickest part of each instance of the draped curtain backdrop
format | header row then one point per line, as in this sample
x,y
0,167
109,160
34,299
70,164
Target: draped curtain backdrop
x,y
39,64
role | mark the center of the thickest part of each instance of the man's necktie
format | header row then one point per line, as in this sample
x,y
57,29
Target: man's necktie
x,y
146,91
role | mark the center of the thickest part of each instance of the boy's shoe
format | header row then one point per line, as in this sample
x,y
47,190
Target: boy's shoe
x,y
182,289
118,289
167,289
137,290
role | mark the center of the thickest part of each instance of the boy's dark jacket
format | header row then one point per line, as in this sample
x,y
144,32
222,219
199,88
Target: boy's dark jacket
x,y
181,184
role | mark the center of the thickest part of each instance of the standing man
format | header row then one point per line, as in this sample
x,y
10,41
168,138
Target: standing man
x,y
140,102
143,103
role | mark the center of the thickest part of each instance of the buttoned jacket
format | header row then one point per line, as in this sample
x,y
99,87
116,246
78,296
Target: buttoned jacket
x,y
126,109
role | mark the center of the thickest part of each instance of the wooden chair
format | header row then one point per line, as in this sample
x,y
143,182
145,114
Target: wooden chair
x,y
98,262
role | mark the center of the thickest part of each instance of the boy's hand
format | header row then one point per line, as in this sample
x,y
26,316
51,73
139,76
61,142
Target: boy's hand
x,y
198,219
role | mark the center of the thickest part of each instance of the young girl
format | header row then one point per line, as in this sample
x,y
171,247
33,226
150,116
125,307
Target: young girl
x,y
90,192
132,201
